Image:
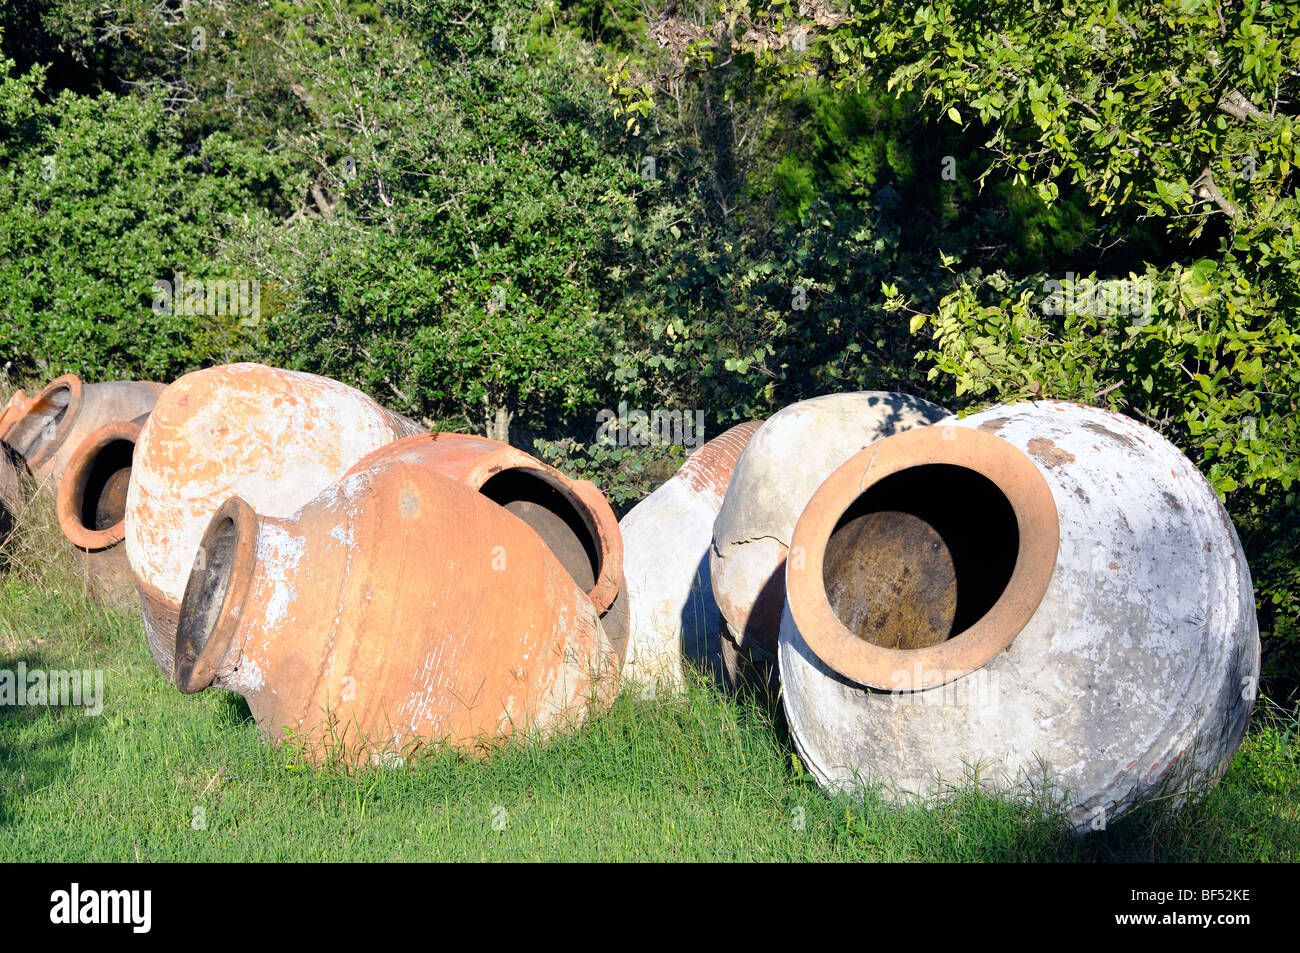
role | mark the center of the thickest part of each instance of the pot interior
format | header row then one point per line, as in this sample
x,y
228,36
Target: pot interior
x,y
552,514
921,556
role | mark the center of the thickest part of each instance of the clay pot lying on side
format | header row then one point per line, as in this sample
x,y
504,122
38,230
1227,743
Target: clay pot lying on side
x,y
13,411
59,418
398,607
1046,590
276,438
666,538
781,466
13,471
572,517
92,508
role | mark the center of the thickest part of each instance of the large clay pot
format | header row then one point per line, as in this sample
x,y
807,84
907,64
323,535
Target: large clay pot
x,y
58,418
398,607
781,466
1049,591
666,538
13,470
92,508
276,438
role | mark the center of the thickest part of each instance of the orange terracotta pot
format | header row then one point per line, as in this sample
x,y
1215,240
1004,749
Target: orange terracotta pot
x,y
572,517
56,420
92,507
14,486
276,438
396,609
13,411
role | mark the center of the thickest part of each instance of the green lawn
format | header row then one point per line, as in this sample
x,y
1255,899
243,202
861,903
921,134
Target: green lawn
x,y
161,776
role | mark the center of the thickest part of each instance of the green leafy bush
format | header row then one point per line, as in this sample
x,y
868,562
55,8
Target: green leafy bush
x,y
98,200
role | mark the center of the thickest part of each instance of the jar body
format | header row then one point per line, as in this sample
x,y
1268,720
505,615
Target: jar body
x,y
1133,676
398,608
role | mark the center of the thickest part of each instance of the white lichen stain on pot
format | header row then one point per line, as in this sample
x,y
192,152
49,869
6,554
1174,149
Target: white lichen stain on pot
x,y
281,552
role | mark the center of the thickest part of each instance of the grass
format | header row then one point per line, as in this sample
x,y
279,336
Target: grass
x,y
162,776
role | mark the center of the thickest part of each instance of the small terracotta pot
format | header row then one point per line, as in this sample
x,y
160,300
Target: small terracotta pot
x,y
58,418
92,508
13,411
779,470
276,438
14,475
666,538
398,607
572,517
1048,591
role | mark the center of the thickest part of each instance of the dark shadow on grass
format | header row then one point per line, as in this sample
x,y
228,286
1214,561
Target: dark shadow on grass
x,y
24,768
234,711
1231,822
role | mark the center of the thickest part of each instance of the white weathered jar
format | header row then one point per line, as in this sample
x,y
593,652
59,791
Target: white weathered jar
x,y
666,537
1048,592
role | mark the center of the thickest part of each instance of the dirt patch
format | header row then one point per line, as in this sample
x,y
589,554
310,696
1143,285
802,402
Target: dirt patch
x,y
1048,452
993,426
1107,432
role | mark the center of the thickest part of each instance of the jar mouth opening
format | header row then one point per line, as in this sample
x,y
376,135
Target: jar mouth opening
x,y
214,594
922,557
549,509
92,494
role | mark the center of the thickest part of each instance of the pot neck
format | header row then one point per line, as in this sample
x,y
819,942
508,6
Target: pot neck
x,y
213,626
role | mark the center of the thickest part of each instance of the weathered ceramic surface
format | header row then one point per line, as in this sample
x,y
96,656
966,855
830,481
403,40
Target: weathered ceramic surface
x,y
1135,676
666,538
778,472
276,438
397,607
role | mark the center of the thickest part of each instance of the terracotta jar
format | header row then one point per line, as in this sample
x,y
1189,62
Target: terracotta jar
x,y
57,419
13,471
666,538
1050,591
572,517
396,609
276,438
92,508
781,466
13,411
